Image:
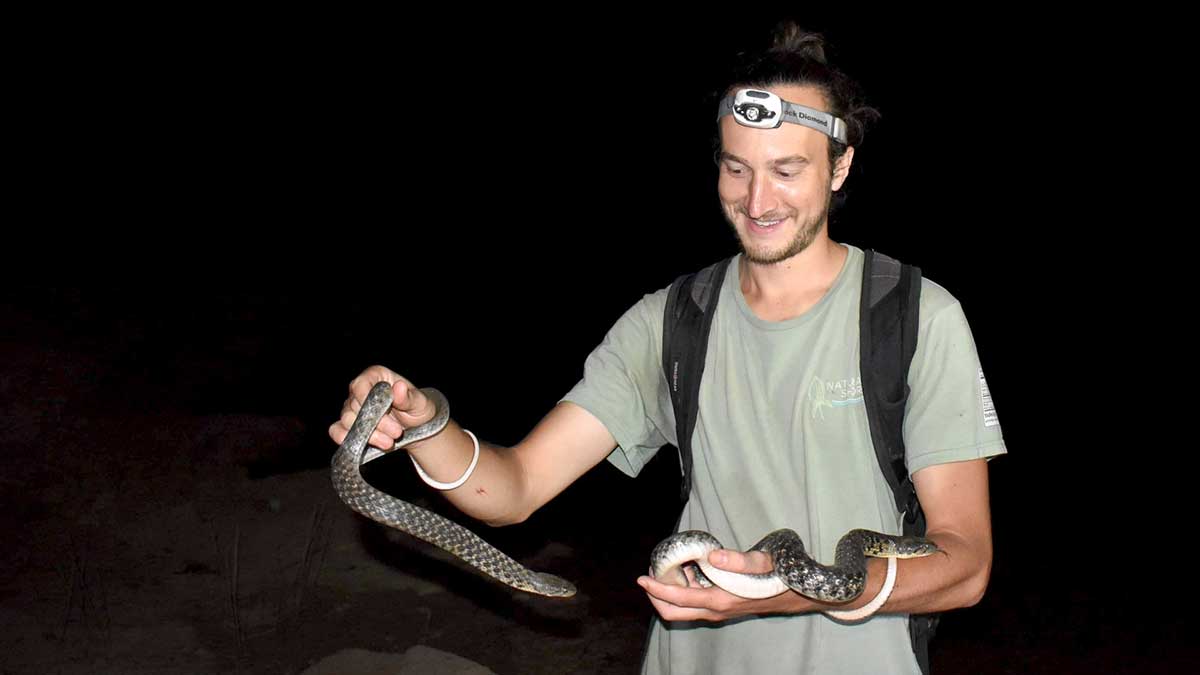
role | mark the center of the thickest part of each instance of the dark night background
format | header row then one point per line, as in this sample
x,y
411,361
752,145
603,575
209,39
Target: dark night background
x,y
224,219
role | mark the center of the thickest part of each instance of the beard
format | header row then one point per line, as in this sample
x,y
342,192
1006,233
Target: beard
x,y
805,235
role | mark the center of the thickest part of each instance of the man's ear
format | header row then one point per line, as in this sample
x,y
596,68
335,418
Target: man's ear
x,y
842,169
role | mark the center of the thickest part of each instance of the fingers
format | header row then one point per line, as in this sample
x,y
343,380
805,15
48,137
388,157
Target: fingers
x,y
677,603
386,432
383,437
696,603
361,385
392,426
671,612
410,406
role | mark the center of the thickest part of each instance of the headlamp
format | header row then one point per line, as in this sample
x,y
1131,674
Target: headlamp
x,y
764,110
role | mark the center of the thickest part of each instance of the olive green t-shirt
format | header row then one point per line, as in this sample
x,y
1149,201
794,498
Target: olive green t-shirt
x,y
782,441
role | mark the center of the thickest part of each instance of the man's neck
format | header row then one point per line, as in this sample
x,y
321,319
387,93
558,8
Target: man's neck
x,y
791,287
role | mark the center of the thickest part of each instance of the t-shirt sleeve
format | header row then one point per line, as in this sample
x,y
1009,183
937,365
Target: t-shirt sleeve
x,y
623,385
950,416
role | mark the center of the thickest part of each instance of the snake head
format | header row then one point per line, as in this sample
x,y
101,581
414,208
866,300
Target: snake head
x,y
548,584
915,547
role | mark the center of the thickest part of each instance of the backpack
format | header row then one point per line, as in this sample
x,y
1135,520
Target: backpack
x,y
887,338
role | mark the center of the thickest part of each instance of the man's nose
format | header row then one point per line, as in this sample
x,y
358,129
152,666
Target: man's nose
x,y
759,200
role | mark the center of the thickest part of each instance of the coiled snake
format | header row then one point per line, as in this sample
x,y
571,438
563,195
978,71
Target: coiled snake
x,y
794,569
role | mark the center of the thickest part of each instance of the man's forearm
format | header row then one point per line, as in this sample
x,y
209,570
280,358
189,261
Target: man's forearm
x,y
956,577
508,484
494,493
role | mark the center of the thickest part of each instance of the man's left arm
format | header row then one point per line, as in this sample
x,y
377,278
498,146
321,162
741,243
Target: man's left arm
x,y
958,519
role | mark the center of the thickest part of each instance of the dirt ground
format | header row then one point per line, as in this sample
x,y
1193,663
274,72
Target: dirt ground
x,y
147,537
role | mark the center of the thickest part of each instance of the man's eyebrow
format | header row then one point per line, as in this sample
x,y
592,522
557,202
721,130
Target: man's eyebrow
x,y
791,159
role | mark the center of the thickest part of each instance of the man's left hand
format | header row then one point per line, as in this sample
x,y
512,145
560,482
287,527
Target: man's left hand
x,y
696,603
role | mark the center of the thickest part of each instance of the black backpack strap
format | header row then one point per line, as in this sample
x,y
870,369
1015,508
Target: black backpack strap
x,y
889,317
691,304
887,340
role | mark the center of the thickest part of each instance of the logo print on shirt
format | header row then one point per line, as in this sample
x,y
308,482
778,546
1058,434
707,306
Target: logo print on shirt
x,y
835,394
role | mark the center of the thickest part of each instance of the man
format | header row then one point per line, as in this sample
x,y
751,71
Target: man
x,y
782,439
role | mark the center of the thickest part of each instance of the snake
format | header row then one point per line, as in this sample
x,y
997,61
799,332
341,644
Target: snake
x,y
794,569
383,508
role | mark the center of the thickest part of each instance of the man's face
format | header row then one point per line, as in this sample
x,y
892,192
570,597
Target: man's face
x,y
775,185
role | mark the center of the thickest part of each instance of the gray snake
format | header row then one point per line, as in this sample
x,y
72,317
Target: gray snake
x,y
793,568
414,520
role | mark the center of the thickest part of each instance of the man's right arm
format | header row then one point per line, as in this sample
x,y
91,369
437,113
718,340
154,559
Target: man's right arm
x,y
508,484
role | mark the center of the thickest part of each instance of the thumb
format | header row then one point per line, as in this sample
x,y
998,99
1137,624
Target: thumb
x,y
410,405
751,562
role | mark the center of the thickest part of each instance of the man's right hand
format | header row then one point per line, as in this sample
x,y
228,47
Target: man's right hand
x,y
410,408
508,484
